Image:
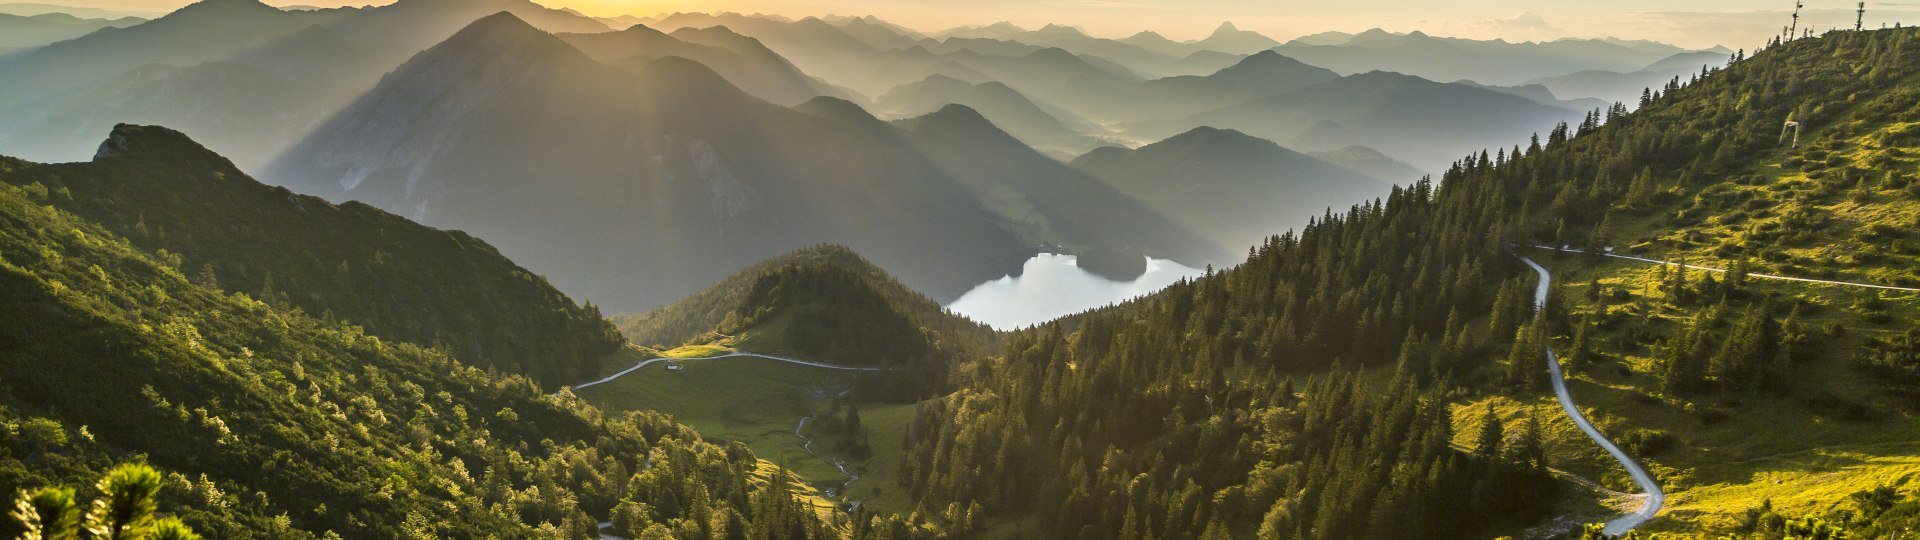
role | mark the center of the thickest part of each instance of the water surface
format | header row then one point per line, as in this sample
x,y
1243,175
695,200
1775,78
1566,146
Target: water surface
x,y
1053,286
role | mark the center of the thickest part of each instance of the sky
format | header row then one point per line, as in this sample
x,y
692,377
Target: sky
x,y
1692,23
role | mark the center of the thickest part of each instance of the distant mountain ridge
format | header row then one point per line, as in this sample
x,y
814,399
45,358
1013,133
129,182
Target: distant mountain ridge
x,y
1494,62
742,60
27,31
1007,107
1232,188
1422,122
56,101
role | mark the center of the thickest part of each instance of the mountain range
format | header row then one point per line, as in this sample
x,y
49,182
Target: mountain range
x,y
287,69
742,60
664,170
1495,62
28,31
1390,112
1616,86
401,335
1007,107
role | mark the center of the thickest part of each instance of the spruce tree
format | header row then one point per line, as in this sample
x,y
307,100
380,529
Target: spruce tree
x,y
1487,443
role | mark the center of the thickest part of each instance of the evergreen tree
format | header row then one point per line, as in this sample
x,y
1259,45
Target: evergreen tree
x,y
1487,443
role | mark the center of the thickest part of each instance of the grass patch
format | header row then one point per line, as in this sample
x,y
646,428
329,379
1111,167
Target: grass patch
x,y
760,402
697,351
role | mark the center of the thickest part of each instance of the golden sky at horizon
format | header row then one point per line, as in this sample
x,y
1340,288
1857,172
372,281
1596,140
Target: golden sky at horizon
x,y
1695,23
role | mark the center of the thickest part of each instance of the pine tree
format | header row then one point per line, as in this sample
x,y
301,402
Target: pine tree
x,y
1747,358
1581,356
1523,359
1487,443
1685,371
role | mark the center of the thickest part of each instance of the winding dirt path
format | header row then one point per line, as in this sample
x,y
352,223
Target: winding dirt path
x,y
1654,498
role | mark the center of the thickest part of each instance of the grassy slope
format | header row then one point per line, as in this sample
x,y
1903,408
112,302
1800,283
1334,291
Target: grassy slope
x,y
1770,446
760,402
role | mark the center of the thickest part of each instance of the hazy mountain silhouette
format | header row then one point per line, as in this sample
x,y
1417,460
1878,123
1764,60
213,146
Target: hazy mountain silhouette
x,y
1203,63
235,107
1046,200
1614,86
22,32
413,25
1421,122
1232,188
1370,163
876,33
1135,57
302,66
1494,62
742,60
1231,39
1001,31
603,176
1540,94
206,31
1006,107
1264,74
818,48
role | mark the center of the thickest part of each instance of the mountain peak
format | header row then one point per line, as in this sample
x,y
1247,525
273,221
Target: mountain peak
x,y
944,80
1226,28
1202,133
228,4
496,32
958,112
1053,54
1212,139
1061,29
641,28
502,21
839,109
224,8
135,141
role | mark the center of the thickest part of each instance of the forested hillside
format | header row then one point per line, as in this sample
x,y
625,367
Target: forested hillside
x,y
825,304
274,423
350,263
1736,389
1307,392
